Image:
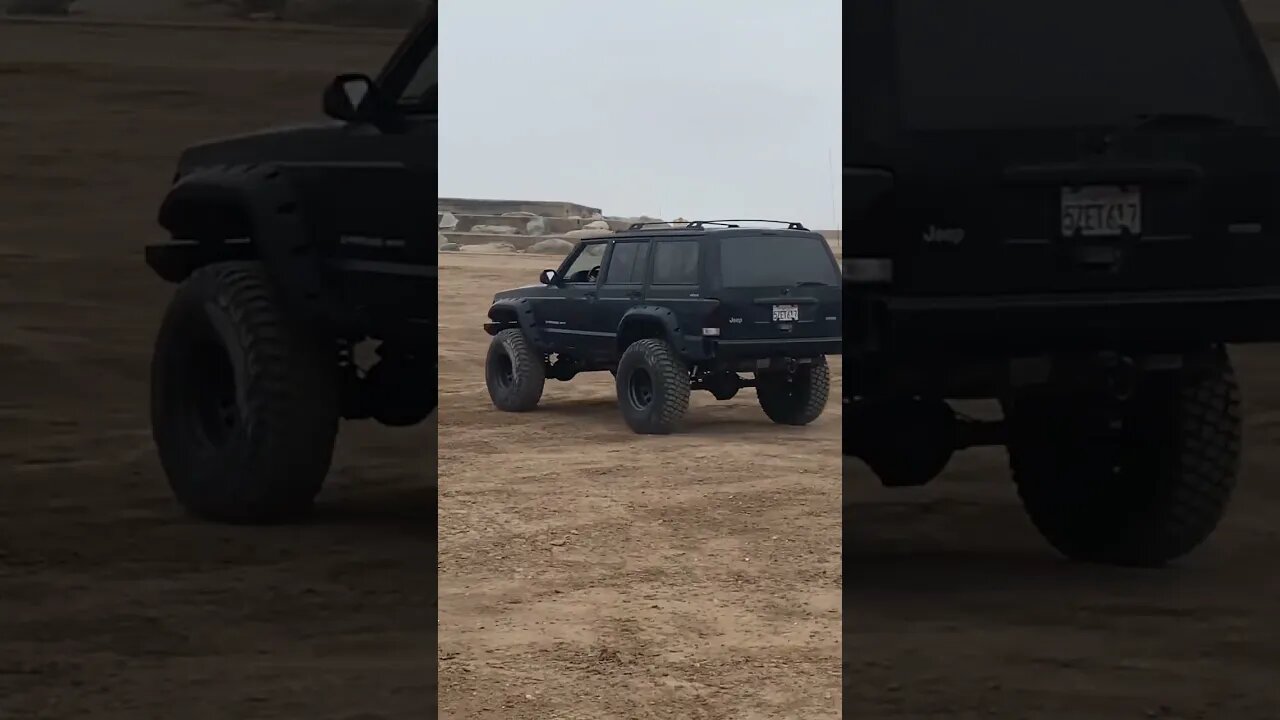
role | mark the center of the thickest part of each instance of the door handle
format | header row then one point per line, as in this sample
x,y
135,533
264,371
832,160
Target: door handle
x,y
634,295
589,295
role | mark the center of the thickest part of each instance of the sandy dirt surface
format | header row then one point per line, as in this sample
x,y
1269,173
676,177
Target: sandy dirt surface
x,y
112,603
955,608
587,572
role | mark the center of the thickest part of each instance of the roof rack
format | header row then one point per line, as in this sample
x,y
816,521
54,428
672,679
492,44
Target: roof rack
x,y
701,224
642,225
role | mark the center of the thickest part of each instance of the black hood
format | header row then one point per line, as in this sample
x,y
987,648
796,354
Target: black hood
x,y
294,143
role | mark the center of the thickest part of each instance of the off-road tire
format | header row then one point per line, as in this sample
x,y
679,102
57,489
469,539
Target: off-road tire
x,y
1146,497
798,399
655,362
514,372
244,404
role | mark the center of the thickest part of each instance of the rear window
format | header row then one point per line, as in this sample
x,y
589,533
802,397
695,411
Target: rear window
x,y
675,262
763,260
1015,63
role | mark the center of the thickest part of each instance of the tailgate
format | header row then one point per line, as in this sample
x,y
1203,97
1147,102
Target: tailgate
x,y
1101,225
780,312
777,285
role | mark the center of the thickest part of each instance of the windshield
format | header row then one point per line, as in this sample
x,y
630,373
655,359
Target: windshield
x,y
765,260
421,93
1015,63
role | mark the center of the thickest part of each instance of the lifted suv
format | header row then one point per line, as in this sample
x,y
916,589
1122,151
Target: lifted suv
x,y
668,310
292,249
1072,216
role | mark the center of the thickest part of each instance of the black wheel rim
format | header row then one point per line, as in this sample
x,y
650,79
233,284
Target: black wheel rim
x,y
640,388
504,371
212,407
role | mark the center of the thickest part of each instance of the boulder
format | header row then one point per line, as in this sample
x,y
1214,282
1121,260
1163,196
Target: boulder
x,y
489,248
585,233
519,213
536,226
450,247
494,229
551,246
441,240
448,220
596,225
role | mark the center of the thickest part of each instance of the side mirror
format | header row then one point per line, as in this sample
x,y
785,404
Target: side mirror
x,y
352,98
548,277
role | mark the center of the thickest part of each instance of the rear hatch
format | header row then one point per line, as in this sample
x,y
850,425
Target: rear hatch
x,y
1170,211
776,286
1089,145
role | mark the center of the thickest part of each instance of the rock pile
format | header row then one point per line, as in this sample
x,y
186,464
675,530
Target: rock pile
x,y
521,226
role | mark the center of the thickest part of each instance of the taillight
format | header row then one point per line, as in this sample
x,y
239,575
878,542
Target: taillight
x,y
714,320
868,271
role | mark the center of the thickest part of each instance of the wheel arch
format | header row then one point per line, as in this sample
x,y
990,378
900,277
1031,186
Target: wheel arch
x,y
252,212
512,313
649,321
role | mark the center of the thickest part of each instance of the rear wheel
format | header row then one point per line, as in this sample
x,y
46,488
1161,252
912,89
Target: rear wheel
x,y
653,387
244,404
514,373
795,398
1139,482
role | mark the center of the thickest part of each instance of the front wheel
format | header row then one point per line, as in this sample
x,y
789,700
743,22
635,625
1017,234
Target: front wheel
x,y
653,387
514,372
1138,482
795,398
244,403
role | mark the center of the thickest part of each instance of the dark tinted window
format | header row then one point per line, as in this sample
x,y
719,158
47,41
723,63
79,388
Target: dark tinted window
x,y
1014,63
627,263
421,93
774,260
675,263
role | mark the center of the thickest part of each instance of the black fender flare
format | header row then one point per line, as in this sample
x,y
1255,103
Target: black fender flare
x,y
216,206
521,309
650,315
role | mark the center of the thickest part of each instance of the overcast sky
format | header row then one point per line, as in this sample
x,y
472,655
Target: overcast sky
x,y
711,108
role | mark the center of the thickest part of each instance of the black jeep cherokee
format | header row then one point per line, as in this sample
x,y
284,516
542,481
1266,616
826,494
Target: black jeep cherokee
x,y
293,249
1069,207
668,310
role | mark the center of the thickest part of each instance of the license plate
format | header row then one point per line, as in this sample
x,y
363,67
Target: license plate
x,y
1101,211
786,313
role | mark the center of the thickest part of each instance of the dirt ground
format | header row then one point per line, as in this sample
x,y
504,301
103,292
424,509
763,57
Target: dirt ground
x,y
112,603
587,572
955,608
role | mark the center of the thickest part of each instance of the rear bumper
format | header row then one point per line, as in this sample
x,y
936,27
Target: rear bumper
x,y
1156,319
760,350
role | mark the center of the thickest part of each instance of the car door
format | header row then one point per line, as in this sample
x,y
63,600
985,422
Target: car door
x,y
621,287
567,316
373,194
675,281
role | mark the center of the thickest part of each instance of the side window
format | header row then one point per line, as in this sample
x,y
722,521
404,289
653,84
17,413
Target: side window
x,y
627,263
675,263
585,267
